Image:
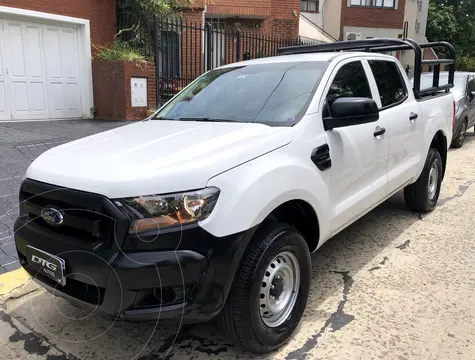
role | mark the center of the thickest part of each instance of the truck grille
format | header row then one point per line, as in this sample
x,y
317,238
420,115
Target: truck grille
x,y
87,217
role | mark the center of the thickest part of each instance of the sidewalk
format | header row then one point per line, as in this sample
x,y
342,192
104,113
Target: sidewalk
x,y
20,144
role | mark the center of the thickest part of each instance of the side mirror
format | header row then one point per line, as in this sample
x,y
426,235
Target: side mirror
x,y
351,111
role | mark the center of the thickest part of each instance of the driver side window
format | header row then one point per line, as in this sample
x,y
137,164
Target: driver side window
x,y
350,81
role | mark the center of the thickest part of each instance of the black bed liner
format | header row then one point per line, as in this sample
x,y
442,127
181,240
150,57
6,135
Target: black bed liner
x,y
387,44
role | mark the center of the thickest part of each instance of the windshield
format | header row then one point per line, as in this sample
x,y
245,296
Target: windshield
x,y
275,94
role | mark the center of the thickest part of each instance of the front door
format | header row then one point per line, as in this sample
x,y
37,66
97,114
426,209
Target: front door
x,y
359,155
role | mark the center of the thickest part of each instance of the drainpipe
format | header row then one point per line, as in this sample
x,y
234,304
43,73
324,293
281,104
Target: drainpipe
x,y
203,21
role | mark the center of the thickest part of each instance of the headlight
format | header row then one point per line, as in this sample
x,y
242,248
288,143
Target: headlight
x,y
156,212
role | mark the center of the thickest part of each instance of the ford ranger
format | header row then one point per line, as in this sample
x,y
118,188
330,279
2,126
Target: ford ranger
x,y
212,206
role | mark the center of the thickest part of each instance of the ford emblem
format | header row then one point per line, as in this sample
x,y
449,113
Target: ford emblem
x,y
52,216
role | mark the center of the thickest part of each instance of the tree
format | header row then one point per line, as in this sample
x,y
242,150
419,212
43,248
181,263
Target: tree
x,y
149,9
452,20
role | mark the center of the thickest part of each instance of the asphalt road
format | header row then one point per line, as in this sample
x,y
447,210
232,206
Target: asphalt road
x,y
395,285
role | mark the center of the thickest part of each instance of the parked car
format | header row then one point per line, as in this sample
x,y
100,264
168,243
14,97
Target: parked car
x,y
212,207
464,95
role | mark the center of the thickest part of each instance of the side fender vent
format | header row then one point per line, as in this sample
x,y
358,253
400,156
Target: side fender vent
x,y
321,157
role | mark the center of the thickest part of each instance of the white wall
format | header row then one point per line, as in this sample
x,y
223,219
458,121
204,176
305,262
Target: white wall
x,y
328,17
371,32
412,15
309,31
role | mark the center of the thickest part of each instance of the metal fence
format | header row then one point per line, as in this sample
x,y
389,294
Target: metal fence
x,y
184,50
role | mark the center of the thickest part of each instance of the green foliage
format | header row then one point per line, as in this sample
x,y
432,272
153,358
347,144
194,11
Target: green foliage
x,y
119,50
465,63
441,22
453,21
152,8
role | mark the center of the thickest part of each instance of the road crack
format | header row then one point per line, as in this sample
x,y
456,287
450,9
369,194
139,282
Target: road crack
x,y
334,323
461,191
404,245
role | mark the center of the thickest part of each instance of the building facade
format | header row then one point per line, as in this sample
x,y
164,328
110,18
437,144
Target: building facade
x,y
279,18
365,19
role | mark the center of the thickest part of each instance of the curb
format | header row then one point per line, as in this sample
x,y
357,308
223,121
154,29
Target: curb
x,y
16,288
13,280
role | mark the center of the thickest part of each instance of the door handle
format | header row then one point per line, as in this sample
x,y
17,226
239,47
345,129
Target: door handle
x,y
379,132
413,117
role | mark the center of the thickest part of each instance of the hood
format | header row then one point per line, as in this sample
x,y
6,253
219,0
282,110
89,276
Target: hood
x,y
155,156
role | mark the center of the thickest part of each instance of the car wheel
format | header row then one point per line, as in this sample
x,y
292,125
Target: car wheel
x,y
270,291
422,196
459,140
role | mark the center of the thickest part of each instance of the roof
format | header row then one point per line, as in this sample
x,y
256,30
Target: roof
x,y
327,56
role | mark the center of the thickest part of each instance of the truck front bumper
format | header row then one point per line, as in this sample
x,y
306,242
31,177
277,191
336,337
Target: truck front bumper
x,y
181,273
143,286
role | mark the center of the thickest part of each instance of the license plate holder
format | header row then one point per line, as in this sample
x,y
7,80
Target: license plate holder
x,y
46,264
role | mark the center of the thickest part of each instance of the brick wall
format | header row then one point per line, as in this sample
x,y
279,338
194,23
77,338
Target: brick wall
x,y
101,13
112,95
372,17
191,45
279,18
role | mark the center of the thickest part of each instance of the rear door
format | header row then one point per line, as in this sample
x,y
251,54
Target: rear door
x,y
358,154
404,122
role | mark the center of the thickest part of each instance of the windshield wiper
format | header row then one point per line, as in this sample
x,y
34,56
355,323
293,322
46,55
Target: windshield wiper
x,y
207,119
161,118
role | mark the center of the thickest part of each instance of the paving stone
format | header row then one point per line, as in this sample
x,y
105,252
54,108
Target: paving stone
x,y
9,187
12,266
11,156
4,175
17,168
9,248
8,204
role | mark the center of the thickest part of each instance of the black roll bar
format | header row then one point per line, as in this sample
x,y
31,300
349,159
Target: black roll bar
x,y
388,44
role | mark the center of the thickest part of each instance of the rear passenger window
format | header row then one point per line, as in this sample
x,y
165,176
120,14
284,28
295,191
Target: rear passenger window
x,y
390,84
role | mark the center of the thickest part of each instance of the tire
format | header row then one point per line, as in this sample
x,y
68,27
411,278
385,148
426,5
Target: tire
x,y
421,196
457,143
242,316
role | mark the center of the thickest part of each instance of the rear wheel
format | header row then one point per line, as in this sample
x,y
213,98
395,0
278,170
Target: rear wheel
x,y
422,196
270,291
460,139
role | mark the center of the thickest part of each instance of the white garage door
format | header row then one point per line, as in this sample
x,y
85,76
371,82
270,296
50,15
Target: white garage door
x,y
39,71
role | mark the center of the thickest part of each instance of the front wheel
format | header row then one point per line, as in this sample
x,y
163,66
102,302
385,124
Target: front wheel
x,y
270,291
422,196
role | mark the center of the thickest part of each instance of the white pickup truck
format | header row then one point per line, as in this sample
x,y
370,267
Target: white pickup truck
x,y
212,206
